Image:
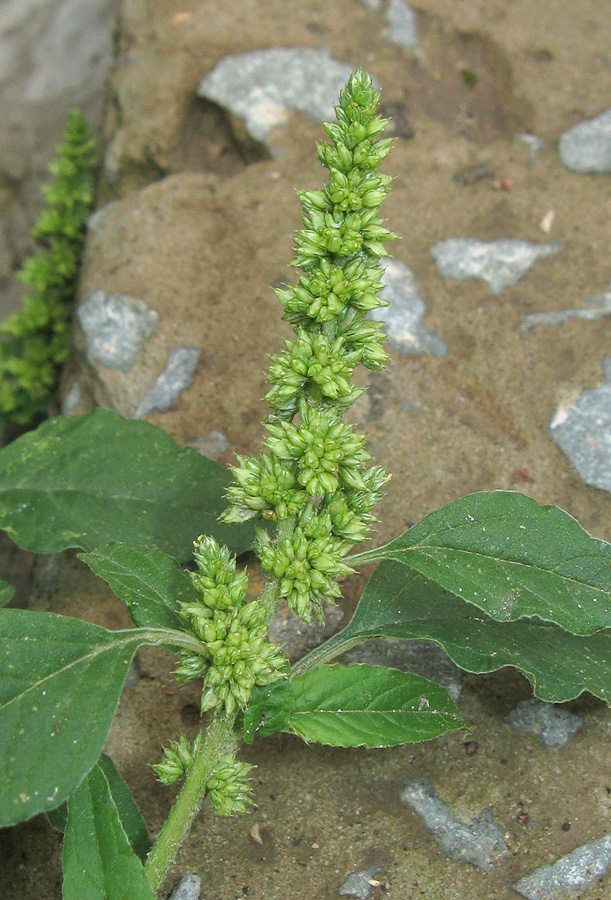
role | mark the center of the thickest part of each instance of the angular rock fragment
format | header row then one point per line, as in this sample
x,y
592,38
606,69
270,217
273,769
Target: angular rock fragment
x,y
479,842
571,873
188,889
403,316
583,431
498,263
175,378
116,327
212,445
586,148
552,723
263,87
596,307
359,884
403,24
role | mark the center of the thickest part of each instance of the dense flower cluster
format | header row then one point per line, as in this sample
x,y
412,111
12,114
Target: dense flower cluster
x,y
232,631
313,476
228,788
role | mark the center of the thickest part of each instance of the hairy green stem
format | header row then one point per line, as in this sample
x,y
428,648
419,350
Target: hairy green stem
x,y
219,740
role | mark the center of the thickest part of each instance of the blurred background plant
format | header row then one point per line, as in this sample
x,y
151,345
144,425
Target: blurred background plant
x,y
34,342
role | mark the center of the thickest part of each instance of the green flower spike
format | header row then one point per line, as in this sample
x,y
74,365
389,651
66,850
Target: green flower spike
x,y
177,759
313,480
237,655
229,790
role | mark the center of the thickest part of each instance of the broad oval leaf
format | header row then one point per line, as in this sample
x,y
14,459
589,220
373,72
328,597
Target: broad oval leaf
x,y
98,860
7,592
400,603
269,710
82,481
511,558
372,706
60,683
129,814
151,584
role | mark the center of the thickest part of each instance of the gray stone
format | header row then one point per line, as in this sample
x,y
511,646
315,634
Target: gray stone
x,y
213,445
403,317
359,883
73,398
586,148
116,328
552,723
479,842
76,48
583,431
534,145
175,378
403,24
373,5
188,889
420,657
574,872
264,86
498,263
597,307
296,637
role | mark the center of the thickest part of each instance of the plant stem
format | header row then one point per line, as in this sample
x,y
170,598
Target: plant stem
x,y
219,740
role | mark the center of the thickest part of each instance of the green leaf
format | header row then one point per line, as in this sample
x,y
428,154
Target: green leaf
x,y
269,710
7,592
511,558
372,706
59,689
148,581
130,817
99,862
57,817
82,481
400,603
129,814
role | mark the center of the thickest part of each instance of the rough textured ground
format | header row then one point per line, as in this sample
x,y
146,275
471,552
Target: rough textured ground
x,y
203,226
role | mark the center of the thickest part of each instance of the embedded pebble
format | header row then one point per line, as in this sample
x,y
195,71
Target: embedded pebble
x,y
574,872
296,637
213,445
479,842
188,889
583,431
534,145
498,263
403,24
359,884
73,399
586,148
175,378
116,328
597,307
420,657
403,317
264,86
552,723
